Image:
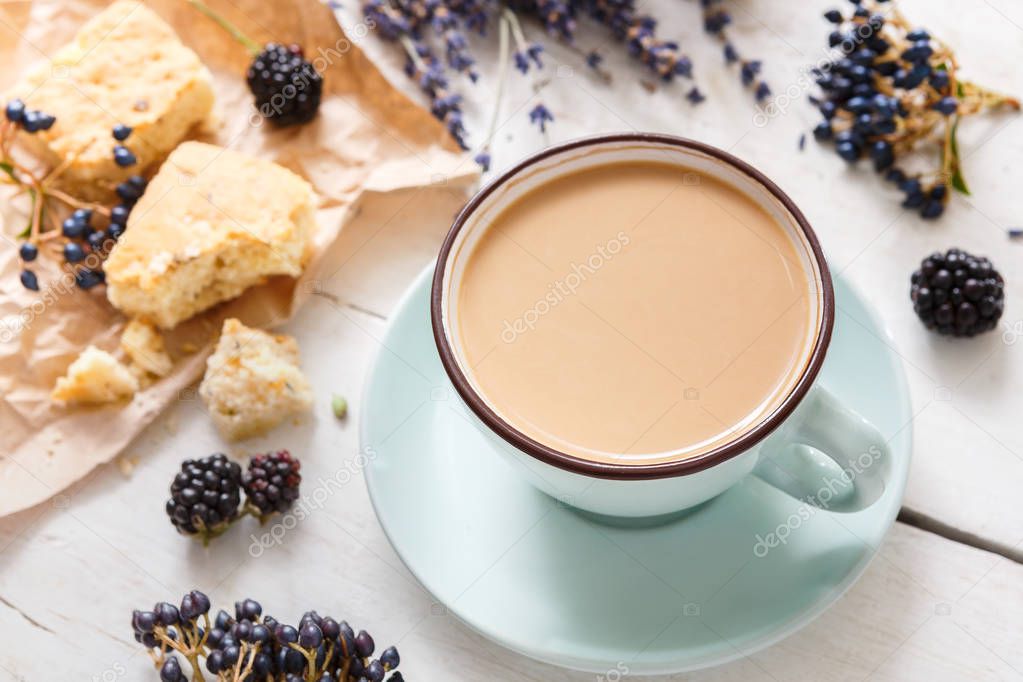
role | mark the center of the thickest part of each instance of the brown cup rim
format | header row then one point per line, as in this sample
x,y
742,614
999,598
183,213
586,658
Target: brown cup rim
x,y
607,470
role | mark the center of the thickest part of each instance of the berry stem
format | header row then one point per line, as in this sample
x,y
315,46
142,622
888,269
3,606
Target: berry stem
x,y
248,43
502,78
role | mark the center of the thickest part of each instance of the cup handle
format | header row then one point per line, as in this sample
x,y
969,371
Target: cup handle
x,y
835,433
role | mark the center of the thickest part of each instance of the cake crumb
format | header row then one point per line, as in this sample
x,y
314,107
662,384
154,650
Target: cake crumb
x,y
253,381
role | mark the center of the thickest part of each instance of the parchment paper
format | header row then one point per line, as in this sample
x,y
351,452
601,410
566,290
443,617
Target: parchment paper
x,y
368,141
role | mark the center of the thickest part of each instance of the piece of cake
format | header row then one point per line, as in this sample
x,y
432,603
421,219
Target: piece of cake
x,y
95,377
125,66
212,223
144,345
253,381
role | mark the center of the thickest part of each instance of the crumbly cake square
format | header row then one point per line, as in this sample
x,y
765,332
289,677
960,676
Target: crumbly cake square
x,y
95,377
125,65
253,381
212,223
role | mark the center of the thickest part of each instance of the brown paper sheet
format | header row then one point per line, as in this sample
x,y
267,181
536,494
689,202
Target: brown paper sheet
x,y
369,141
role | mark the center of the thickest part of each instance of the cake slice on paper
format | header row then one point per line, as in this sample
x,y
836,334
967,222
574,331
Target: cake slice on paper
x,y
212,223
126,67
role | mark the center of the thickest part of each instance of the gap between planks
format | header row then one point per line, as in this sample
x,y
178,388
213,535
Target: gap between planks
x,y
917,519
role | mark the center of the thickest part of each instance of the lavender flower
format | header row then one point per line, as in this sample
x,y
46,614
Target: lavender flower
x,y
483,160
638,32
434,36
715,20
541,116
521,61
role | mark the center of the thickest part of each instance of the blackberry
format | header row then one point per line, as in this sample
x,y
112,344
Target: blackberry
x,y
958,294
271,482
205,496
287,88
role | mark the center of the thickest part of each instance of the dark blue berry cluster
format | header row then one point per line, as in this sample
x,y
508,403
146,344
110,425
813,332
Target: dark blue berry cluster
x,y
206,494
892,87
80,242
253,647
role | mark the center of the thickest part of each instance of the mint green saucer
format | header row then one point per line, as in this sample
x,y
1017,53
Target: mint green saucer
x,y
552,584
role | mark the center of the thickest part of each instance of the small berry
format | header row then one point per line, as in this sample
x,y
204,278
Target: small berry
x,y
97,240
143,621
87,279
932,209
883,155
947,105
374,671
28,252
119,214
29,280
364,644
124,157
31,122
72,228
167,614
171,671
848,151
939,80
15,110
73,252
247,609
310,636
128,192
121,132
390,658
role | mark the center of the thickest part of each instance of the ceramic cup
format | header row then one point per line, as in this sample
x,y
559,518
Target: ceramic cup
x,y
811,446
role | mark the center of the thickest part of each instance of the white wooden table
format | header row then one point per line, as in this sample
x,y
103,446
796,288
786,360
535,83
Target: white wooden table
x,y
930,607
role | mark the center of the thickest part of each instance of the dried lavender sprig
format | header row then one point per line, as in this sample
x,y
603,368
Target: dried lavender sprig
x,y
421,24
483,157
446,105
638,32
715,21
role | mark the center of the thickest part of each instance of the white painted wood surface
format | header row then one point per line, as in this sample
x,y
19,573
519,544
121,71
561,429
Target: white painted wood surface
x,y
927,609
